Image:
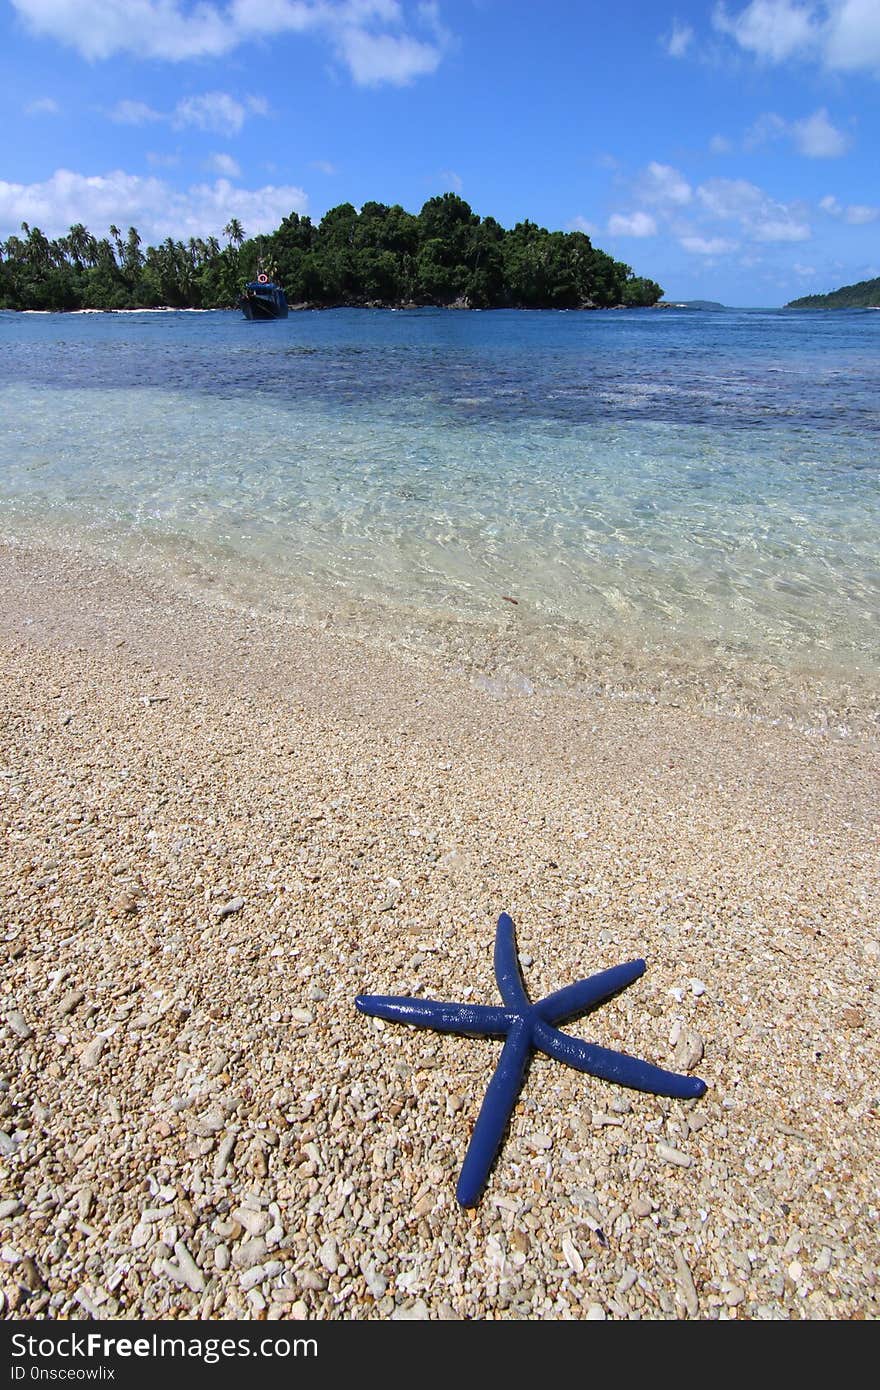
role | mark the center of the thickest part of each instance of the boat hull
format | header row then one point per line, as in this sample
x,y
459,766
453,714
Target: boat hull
x,y
262,310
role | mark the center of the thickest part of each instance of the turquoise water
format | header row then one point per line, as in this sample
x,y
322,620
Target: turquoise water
x,y
668,495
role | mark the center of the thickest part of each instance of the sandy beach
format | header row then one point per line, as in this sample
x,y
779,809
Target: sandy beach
x,y
219,830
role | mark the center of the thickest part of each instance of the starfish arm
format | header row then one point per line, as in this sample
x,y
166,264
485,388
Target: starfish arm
x,y
431,1013
576,999
615,1066
495,1112
507,966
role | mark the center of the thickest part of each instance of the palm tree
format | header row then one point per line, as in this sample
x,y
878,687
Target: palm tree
x,y
234,231
117,242
37,248
82,244
133,257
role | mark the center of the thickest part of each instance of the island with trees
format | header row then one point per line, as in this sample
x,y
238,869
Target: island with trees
x,y
378,256
864,295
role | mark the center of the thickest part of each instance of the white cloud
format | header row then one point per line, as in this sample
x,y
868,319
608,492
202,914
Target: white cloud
x,y
708,246
370,37
816,137
679,41
771,29
780,229
376,58
134,113
580,224
42,106
224,164
217,112
808,271
759,216
450,179
719,144
324,166
842,35
767,127
635,224
162,161
662,184
147,28
852,36
856,214
150,204
712,218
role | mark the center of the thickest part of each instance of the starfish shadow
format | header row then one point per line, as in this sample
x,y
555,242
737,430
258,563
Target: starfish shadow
x,y
528,1028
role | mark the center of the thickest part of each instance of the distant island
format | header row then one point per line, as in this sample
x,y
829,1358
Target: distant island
x,y
864,295
378,257
690,304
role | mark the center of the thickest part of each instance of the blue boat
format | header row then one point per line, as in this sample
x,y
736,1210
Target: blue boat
x,y
263,299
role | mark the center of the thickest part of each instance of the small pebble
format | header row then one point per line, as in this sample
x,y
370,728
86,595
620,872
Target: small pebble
x,y
19,1024
28,1273
193,1276
257,1273
688,1051
673,1156
229,909
256,1223
329,1255
91,1054
249,1253
572,1255
685,1281
224,1154
69,1001
414,1312
376,1282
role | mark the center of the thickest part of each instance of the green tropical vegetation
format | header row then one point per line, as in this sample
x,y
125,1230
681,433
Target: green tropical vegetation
x,y
444,255
864,295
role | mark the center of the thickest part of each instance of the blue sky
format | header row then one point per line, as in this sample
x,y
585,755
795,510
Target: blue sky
x,y
728,150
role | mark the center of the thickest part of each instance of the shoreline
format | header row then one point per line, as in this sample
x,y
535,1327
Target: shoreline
x,y
507,646
212,1087
390,306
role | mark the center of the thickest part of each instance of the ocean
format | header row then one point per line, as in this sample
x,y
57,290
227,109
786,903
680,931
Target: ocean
x,y
654,504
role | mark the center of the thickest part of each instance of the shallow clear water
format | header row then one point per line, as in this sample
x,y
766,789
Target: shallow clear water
x,y
656,489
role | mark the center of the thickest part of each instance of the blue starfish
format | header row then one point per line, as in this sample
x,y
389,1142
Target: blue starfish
x,y
528,1028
